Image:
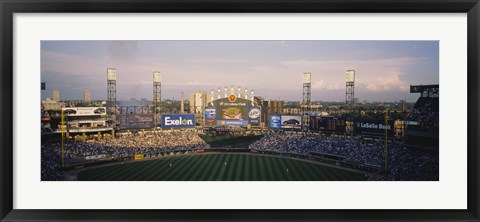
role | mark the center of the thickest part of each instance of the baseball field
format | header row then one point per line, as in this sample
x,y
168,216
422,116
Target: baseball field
x,y
219,167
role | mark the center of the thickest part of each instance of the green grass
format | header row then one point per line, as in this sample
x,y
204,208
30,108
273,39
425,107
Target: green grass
x,y
211,167
229,141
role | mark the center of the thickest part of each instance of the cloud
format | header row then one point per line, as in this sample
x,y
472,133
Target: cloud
x,y
216,61
139,83
323,85
68,64
268,75
280,43
372,75
123,50
134,79
389,81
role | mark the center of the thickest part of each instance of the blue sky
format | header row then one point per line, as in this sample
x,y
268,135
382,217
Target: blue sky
x,y
274,69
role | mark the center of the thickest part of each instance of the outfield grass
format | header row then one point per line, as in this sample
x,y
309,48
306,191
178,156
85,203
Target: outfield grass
x,y
211,167
229,141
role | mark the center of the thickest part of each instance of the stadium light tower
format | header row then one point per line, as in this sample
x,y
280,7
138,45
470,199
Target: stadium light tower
x,y
307,91
307,95
157,91
350,88
111,92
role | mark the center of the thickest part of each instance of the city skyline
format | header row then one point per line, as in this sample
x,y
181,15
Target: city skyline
x,y
273,69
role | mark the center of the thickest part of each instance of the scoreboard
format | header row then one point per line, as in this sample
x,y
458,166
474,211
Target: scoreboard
x,y
136,121
328,124
232,111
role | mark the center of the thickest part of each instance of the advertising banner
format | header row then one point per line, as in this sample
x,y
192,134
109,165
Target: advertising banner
x,y
210,116
170,121
291,122
138,156
96,157
254,115
232,122
275,121
374,127
84,111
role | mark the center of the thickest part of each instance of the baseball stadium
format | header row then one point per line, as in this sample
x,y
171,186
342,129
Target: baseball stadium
x,y
232,137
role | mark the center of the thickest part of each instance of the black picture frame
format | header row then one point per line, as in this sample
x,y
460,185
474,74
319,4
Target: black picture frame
x,y
9,7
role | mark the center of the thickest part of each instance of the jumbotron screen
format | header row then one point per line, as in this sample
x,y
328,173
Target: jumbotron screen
x,y
328,124
235,113
232,111
136,121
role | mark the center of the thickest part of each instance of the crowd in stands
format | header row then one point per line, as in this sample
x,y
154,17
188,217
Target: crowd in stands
x,y
51,162
426,110
404,164
413,165
352,148
125,145
133,143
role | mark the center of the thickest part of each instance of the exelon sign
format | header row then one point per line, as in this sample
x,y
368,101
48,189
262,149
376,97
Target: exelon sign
x,y
178,121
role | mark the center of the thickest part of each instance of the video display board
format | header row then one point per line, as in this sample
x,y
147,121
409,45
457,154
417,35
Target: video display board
x,y
373,127
232,111
170,121
275,121
136,121
233,116
291,122
327,124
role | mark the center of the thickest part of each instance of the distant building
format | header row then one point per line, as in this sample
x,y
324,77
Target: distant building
x,y
263,110
198,102
292,111
52,105
276,106
86,96
182,103
56,95
270,107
